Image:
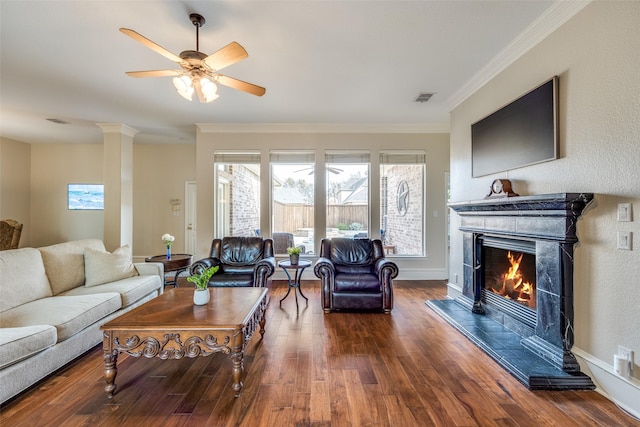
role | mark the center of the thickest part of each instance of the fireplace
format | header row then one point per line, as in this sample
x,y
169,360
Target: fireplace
x,y
517,293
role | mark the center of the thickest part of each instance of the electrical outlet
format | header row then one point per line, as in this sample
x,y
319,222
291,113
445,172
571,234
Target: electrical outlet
x,y
626,353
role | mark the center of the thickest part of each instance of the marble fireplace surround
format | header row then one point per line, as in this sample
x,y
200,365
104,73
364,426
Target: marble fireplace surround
x,y
537,352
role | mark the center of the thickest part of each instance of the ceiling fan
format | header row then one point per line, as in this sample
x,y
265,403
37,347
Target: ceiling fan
x,y
200,72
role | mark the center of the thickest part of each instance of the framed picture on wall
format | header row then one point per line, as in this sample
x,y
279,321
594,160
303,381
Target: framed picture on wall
x,y
85,196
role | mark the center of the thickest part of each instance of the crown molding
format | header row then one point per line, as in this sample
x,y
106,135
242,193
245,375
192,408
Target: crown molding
x,y
554,17
323,128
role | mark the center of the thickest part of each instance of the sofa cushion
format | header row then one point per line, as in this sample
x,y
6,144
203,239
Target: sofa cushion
x,y
103,267
131,289
64,263
22,278
17,344
69,314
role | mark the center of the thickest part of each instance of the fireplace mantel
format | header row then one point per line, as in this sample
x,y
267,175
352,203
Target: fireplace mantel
x,y
549,222
551,216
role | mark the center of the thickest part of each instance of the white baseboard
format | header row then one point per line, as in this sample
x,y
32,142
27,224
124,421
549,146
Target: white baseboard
x,y
453,290
625,393
422,274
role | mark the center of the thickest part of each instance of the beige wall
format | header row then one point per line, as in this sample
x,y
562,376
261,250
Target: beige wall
x,y
596,55
433,266
15,185
159,175
53,166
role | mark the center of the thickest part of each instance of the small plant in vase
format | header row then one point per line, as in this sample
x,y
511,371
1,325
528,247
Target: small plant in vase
x,y
294,254
201,280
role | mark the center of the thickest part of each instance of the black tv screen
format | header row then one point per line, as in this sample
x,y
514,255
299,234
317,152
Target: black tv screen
x,y
521,133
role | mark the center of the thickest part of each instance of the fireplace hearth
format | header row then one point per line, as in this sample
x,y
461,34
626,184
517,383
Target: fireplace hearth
x,y
522,318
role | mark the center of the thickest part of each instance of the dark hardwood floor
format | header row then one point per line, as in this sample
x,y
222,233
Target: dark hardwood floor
x,y
409,368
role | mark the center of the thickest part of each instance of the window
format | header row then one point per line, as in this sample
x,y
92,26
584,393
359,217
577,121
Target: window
x,y
237,198
293,181
292,198
347,175
402,202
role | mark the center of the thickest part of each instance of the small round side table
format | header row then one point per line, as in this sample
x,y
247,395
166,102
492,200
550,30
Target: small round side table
x,y
178,263
295,282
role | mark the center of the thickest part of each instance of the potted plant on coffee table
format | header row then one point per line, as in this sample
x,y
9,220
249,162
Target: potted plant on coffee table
x,y
201,280
294,254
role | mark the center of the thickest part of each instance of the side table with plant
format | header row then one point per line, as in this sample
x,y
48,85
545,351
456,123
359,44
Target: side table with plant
x,y
294,254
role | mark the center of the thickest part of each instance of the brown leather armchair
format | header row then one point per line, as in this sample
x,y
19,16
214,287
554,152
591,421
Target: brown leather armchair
x,y
242,261
355,275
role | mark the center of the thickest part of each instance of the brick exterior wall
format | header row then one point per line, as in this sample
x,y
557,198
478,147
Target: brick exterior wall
x,y
245,201
404,232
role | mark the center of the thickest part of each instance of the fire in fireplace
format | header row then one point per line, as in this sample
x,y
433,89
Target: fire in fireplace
x,y
511,275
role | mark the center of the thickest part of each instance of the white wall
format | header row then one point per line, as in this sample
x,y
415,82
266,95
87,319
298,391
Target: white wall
x,y
596,54
433,266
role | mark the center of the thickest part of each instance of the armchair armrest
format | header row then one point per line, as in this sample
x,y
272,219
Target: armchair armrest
x,y
324,267
203,264
263,270
385,268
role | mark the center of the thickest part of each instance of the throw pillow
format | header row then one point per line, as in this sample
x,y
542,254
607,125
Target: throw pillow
x,y
104,267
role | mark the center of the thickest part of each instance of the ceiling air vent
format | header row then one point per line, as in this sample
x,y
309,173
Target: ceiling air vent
x,y
423,97
58,121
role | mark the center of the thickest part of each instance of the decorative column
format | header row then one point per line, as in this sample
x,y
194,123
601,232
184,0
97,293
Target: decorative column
x,y
118,184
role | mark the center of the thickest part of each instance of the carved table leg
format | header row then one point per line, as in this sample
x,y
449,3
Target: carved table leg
x,y
262,322
237,370
110,372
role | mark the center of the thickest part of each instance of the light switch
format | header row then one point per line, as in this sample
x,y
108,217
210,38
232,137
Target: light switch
x,y
624,212
624,240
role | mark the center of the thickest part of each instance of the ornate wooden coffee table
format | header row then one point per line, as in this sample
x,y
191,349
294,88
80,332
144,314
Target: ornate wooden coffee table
x,y
172,327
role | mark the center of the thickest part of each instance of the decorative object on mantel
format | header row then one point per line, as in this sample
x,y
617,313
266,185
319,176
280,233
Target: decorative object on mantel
x,y
501,188
168,239
201,280
294,254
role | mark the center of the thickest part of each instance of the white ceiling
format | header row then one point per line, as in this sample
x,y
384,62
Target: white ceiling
x,y
322,62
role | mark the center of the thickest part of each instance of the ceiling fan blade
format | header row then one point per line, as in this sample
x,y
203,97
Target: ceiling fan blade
x,y
240,85
228,55
151,45
154,73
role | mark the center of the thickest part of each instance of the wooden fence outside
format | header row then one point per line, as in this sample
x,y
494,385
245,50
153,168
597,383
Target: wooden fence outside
x,y
290,218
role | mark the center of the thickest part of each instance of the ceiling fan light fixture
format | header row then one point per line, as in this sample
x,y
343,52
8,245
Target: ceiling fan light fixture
x,y
199,71
209,89
184,85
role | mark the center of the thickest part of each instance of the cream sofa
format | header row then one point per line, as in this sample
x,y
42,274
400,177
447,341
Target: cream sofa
x,y
54,299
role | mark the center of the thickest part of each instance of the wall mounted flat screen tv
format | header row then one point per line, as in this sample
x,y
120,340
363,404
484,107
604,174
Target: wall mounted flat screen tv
x,y
519,134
